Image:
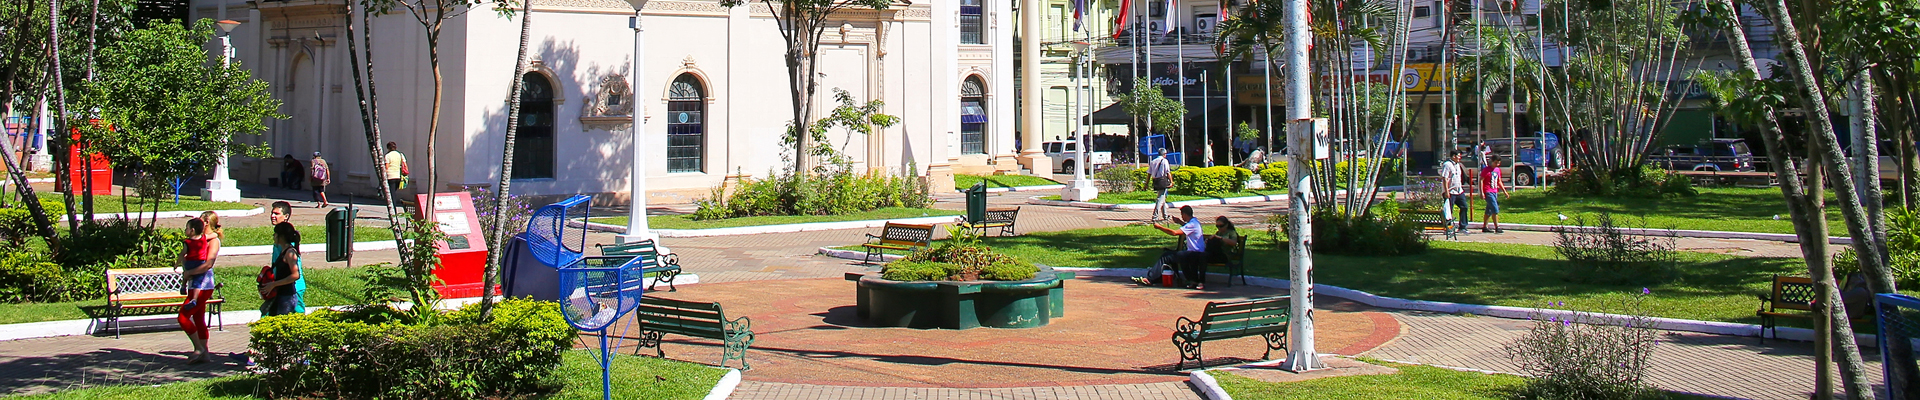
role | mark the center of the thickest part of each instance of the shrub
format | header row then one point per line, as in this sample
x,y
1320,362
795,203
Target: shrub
x,y
1210,181
960,258
1642,182
835,192
1903,249
1605,252
1120,179
28,275
364,354
16,223
1275,175
1381,234
1584,357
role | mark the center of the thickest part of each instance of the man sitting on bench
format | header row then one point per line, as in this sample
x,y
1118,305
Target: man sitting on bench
x,y
1192,261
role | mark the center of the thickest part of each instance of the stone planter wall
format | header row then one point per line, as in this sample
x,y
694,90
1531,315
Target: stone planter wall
x,y
961,305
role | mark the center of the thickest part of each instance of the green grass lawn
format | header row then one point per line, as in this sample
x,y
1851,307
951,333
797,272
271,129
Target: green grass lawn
x,y
1709,287
262,235
325,287
1715,209
963,181
686,222
111,204
1413,382
1147,197
579,378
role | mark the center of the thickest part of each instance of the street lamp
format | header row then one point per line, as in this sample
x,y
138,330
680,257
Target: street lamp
x,y
1081,189
637,206
222,187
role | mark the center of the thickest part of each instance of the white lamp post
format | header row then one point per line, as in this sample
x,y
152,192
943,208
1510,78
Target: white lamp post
x,y
1081,189
222,187
637,208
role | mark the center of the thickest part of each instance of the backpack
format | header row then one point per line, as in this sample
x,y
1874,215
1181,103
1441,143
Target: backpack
x,y
320,171
266,275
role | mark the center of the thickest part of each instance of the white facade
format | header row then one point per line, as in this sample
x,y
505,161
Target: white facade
x,y
909,56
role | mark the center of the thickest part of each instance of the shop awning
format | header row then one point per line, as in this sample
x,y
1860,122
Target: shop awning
x,y
1197,107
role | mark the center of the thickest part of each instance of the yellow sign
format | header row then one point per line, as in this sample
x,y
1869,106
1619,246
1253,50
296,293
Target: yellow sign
x,y
1251,90
1427,78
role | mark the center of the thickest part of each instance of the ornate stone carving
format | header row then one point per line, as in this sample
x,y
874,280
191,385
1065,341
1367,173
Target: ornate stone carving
x,y
917,12
610,106
686,7
610,4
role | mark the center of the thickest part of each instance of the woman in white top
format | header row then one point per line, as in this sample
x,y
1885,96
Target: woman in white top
x,y
395,171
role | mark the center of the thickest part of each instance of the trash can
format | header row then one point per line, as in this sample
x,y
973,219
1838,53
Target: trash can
x,y
977,203
340,233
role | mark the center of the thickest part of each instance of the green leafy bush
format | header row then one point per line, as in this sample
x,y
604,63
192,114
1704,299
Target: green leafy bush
x,y
29,275
1120,179
1210,181
1606,252
1903,249
16,223
1641,182
365,353
1376,234
1585,357
836,192
29,272
1275,175
960,258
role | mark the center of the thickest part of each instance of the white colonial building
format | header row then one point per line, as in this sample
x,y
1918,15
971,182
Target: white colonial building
x,y
713,91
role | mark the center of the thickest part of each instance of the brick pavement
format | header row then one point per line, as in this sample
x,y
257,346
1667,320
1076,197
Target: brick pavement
x,y
1707,364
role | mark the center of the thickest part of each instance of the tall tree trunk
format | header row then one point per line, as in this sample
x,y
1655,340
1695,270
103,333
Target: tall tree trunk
x,y
58,83
370,113
498,230
1821,138
800,74
1867,151
1805,205
433,120
1823,326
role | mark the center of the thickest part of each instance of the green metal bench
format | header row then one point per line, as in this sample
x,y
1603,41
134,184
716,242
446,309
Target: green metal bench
x,y
1265,317
658,317
903,237
663,267
1431,221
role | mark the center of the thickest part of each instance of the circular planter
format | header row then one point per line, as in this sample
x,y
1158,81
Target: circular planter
x,y
961,304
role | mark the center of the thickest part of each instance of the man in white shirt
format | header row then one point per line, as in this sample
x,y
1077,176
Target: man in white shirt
x,y
1161,173
1193,259
1453,182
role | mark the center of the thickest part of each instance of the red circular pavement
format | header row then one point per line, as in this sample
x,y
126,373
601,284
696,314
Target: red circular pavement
x,y
1113,333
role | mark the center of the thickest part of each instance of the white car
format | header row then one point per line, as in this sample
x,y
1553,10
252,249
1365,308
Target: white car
x,y
1066,155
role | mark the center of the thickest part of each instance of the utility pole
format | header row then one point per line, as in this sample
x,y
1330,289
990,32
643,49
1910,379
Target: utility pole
x,y
1301,355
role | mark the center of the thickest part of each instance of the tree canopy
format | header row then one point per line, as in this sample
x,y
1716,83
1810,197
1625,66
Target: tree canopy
x,y
166,109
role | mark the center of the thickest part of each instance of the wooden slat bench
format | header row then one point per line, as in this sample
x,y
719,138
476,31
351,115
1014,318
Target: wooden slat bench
x,y
1002,218
903,237
147,291
1431,221
1265,317
1791,297
663,267
658,316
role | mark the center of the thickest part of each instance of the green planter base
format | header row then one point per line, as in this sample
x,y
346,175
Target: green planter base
x,y
961,305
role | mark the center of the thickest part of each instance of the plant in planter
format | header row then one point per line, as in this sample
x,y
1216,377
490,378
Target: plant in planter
x,y
961,258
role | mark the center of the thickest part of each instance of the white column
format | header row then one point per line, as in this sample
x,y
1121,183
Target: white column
x,y
1301,355
40,160
1033,102
637,207
222,187
1081,188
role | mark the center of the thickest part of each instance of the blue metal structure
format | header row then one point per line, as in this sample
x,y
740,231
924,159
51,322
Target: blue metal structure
x,y
1899,318
546,262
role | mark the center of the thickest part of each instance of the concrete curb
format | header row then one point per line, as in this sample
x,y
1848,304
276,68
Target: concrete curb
x,y
75,327
724,388
306,248
180,214
1671,324
1208,387
1775,237
784,228
854,255
1024,188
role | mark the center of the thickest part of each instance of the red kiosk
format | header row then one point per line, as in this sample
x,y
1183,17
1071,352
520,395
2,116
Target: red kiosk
x,y
79,167
463,256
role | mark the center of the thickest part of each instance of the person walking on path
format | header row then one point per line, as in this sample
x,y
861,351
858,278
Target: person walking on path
x,y
282,214
1162,176
396,171
319,176
196,267
281,294
1490,183
1454,184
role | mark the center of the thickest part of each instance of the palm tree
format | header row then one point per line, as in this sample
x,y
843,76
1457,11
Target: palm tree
x,y
503,192
1256,27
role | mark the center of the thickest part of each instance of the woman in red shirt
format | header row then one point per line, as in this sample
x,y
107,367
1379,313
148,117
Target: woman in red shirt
x,y
196,269
1490,184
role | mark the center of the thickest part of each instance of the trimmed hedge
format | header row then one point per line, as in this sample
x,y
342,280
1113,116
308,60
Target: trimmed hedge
x,y
1211,181
16,223
370,353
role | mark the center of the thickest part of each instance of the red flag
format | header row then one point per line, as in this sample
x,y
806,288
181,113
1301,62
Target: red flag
x,y
1120,21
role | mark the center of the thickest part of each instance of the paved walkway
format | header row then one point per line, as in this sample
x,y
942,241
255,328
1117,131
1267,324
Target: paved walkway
x,y
1706,364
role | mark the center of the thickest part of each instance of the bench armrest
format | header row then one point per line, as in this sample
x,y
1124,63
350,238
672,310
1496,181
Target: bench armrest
x,y
1187,327
874,239
742,329
669,259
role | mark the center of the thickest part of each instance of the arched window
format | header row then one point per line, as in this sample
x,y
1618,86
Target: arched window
x,y
533,141
973,116
686,125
